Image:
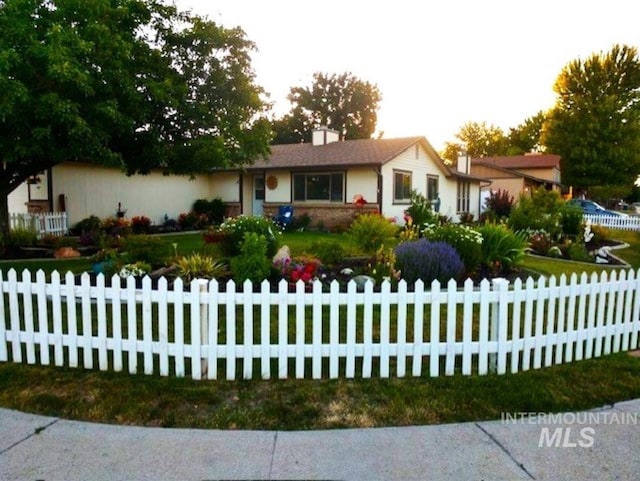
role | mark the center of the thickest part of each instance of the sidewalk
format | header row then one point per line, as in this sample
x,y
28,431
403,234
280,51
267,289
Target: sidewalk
x,y
42,448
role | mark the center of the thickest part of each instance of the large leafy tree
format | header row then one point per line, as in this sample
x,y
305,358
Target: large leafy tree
x,y
595,123
526,136
341,102
128,83
479,140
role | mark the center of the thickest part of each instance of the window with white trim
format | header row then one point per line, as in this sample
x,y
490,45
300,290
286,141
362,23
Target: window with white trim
x,y
432,187
402,186
318,187
464,195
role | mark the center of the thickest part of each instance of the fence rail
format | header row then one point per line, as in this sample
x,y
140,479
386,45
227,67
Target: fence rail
x,y
615,222
49,223
206,330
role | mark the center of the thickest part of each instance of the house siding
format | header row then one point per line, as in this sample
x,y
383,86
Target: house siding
x,y
420,167
93,190
18,199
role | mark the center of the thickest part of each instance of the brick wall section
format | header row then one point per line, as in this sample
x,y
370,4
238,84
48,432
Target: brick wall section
x,y
333,217
232,209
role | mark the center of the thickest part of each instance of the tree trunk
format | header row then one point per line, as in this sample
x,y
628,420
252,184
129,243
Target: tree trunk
x,y
4,216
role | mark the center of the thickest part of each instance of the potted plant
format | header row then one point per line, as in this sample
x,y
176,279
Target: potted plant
x,y
104,261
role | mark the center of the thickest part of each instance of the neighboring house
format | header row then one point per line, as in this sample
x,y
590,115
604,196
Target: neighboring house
x,y
519,174
321,179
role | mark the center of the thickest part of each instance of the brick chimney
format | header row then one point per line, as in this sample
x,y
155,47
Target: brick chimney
x,y
323,135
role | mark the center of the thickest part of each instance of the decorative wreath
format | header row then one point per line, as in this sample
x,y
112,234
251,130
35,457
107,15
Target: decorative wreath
x,y
272,182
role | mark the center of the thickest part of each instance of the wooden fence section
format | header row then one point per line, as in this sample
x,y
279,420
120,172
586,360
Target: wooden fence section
x,y
50,223
209,330
615,222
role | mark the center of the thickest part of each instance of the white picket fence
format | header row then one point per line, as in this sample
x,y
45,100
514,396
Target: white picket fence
x,y
615,222
207,331
49,223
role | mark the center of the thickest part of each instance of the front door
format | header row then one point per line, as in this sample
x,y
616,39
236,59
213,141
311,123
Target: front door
x,y
258,194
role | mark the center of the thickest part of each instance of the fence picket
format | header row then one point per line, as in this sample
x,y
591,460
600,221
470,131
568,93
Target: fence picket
x,y
230,313
518,297
27,305
418,327
334,330
147,333
561,330
214,324
351,331
627,319
618,327
553,317
571,330
316,335
367,361
102,324
483,336
529,340
56,308
87,322
635,318
72,320
601,314
4,354
247,335
467,327
434,328
132,327
300,327
450,359
401,334
195,329
116,319
591,318
14,314
43,316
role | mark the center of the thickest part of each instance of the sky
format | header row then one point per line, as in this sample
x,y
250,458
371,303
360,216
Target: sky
x,y
437,64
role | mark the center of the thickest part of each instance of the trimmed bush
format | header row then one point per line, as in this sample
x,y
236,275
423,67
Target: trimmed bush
x,y
236,228
429,261
370,231
541,211
571,220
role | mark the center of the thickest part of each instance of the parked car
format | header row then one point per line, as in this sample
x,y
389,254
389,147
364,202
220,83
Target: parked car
x,y
590,207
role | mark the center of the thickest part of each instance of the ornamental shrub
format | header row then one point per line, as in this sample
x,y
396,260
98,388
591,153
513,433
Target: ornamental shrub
x,y
214,209
197,266
500,203
329,252
236,228
466,241
429,261
370,231
420,211
252,263
502,248
571,220
541,211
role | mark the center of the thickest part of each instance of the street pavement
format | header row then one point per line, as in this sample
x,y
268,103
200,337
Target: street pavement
x,y
603,444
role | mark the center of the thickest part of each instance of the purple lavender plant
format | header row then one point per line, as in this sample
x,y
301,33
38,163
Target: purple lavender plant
x,y
426,260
